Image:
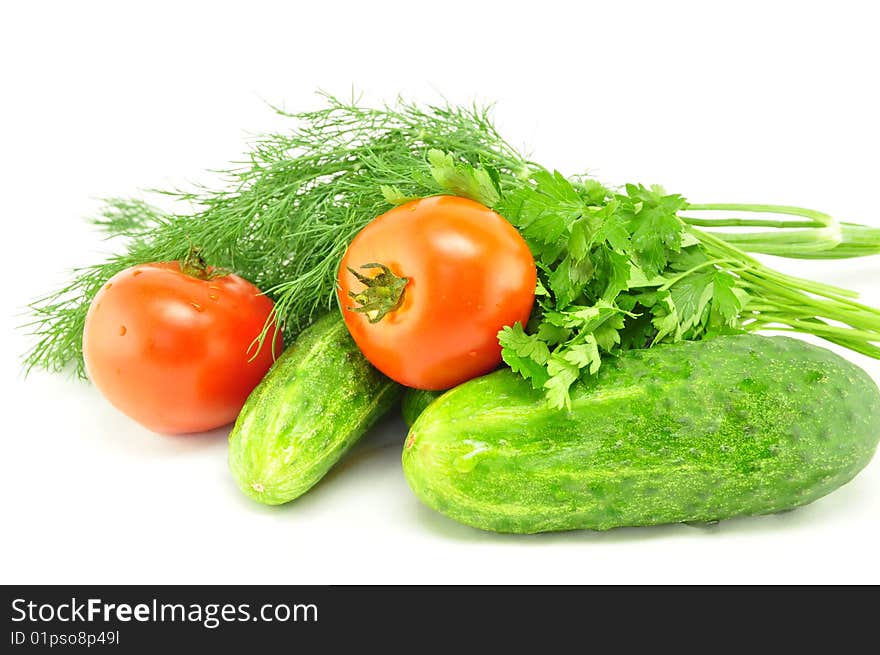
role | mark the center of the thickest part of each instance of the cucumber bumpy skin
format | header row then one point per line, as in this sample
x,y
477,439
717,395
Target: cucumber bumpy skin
x,y
694,431
315,403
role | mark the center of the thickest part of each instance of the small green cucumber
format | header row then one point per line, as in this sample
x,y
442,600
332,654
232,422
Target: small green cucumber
x,y
694,431
313,405
414,403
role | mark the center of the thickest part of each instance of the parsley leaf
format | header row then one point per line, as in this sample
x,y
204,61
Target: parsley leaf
x,y
526,354
463,179
654,224
394,196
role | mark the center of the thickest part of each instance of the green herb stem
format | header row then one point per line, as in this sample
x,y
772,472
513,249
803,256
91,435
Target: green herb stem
x,y
812,327
817,218
820,236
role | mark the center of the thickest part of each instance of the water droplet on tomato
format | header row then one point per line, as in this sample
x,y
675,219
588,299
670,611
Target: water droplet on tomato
x,y
197,307
122,330
137,273
213,296
109,284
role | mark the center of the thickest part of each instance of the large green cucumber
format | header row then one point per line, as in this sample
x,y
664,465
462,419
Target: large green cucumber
x,y
695,431
317,400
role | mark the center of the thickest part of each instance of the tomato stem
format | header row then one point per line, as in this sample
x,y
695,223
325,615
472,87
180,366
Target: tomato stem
x,y
382,293
195,265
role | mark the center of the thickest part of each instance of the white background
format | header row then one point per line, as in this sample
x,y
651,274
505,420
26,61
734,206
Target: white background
x,y
751,102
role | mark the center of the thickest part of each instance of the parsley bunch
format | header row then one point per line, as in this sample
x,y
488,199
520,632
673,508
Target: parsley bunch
x,y
625,269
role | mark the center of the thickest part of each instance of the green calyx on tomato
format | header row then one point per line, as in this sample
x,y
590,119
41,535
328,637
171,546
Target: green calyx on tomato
x,y
382,293
195,265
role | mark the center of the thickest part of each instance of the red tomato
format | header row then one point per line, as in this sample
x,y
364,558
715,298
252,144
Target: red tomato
x,y
173,350
456,273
